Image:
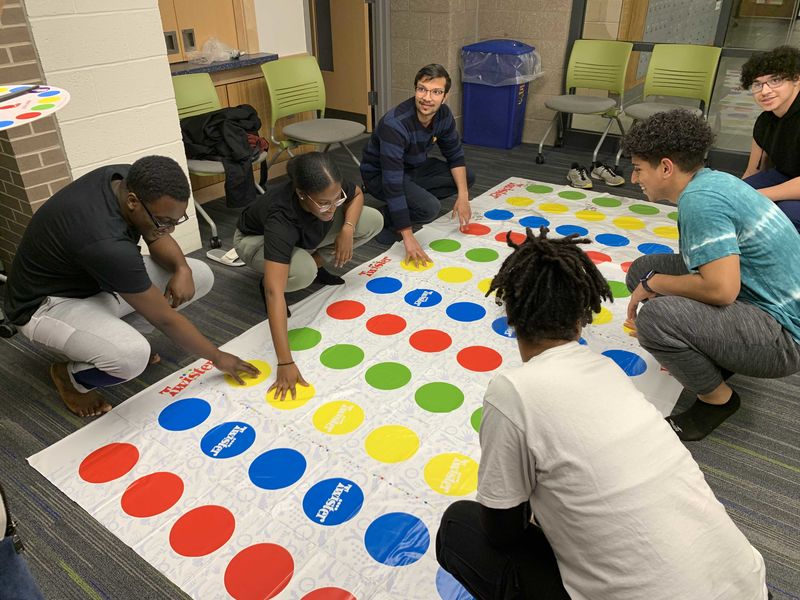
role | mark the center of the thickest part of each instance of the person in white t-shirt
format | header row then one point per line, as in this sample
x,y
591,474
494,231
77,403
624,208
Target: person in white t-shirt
x,y
621,511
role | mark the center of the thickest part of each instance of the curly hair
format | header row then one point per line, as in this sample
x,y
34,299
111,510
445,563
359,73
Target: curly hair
x,y
313,172
152,177
783,61
433,71
678,134
549,286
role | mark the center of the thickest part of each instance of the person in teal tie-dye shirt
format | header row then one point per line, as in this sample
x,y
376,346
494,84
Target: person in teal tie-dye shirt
x,y
730,301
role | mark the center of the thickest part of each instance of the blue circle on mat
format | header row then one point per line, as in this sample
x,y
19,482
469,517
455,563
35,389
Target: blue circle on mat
x,y
653,248
49,93
397,539
6,124
497,214
384,285
333,501
466,312
19,88
612,239
184,414
423,298
631,363
501,327
583,342
277,468
534,222
228,440
449,588
566,230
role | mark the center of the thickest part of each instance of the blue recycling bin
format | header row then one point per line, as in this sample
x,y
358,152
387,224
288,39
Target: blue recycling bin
x,y
495,75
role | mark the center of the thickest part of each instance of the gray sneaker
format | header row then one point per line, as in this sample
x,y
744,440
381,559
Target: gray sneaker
x,y
578,177
607,174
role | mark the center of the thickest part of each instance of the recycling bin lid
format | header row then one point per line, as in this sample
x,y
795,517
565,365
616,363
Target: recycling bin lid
x,y
499,46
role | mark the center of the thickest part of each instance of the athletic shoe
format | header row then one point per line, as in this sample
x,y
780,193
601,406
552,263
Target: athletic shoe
x,y
607,174
578,177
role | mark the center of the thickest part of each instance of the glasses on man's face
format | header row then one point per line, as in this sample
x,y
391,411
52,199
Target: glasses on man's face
x,y
327,206
422,91
772,83
164,223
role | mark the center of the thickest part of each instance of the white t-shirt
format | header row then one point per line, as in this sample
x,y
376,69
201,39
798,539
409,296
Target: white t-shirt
x,y
624,505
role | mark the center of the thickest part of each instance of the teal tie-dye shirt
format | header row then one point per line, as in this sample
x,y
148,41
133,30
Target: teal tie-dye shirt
x,y
720,215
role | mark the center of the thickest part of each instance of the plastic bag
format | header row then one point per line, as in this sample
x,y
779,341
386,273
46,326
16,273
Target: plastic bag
x,y
213,51
490,63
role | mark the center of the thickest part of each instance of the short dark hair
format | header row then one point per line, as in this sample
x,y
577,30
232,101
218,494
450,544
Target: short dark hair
x,y
313,172
783,61
679,135
433,71
549,287
152,177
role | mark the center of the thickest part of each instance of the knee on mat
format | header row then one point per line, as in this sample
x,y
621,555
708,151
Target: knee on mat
x,y
427,213
460,511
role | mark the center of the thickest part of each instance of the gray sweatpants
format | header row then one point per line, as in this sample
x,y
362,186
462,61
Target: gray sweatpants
x,y
694,340
90,332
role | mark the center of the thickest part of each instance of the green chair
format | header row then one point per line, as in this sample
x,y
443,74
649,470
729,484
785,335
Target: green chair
x,y
597,65
295,85
195,95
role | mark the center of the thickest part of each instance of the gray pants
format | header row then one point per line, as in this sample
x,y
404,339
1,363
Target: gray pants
x,y
302,268
91,334
694,340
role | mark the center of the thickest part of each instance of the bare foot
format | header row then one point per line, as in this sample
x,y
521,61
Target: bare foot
x,y
154,358
90,404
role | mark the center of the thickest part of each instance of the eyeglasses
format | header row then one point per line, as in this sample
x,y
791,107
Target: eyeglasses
x,y
326,206
423,91
772,83
164,223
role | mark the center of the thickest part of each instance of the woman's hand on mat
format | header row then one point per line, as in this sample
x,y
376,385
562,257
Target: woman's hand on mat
x,y
180,288
638,296
343,247
233,365
288,377
463,211
414,252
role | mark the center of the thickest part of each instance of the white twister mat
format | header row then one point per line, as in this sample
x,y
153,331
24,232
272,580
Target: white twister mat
x,y
337,494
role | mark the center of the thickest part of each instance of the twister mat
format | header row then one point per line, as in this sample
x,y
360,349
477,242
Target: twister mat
x,y
338,494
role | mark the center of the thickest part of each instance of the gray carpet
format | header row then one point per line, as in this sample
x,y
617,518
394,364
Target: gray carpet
x,y
752,462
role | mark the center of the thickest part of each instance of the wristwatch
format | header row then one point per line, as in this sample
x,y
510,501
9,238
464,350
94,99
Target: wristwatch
x,y
647,278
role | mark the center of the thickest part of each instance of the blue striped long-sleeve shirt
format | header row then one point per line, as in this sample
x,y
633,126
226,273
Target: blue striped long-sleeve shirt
x,y
400,142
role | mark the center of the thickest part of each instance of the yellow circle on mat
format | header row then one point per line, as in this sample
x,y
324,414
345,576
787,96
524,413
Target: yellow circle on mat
x,y
483,284
303,394
391,443
629,223
552,207
667,231
590,215
519,201
251,381
412,267
338,417
454,274
603,317
452,474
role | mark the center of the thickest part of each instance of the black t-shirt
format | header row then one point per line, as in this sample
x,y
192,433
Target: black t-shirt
x,y
278,216
779,137
76,245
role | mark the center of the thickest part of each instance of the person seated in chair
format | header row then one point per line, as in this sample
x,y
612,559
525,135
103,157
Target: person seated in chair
x,y
284,234
78,270
583,490
396,168
729,302
773,78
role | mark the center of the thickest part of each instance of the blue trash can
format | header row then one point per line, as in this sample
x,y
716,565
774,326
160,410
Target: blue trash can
x,y
495,75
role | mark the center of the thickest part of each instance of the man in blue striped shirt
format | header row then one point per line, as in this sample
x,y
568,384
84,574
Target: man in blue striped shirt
x,y
396,168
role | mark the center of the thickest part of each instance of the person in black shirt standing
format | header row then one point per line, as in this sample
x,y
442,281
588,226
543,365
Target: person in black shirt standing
x,y
78,270
282,235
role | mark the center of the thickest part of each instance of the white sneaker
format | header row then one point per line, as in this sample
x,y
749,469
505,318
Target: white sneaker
x,y
607,174
578,177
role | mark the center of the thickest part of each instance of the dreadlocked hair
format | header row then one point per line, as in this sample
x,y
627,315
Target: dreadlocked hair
x,y
549,286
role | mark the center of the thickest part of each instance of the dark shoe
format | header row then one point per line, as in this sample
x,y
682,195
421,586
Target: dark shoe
x,y
387,237
327,278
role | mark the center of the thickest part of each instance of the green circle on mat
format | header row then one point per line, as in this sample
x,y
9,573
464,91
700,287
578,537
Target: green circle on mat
x,y
607,202
445,245
475,419
618,289
42,106
539,189
388,376
644,209
673,215
482,255
341,356
572,195
303,338
439,397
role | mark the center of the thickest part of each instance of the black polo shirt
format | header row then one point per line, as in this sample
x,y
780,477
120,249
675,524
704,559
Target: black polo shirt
x,y
779,137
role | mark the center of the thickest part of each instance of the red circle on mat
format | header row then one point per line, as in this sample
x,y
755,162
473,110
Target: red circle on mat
x,y
202,530
152,494
108,462
516,237
598,257
625,266
259,572
28,115
430,340
329,593
386,324
476,229
7,106
479,358
346,309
